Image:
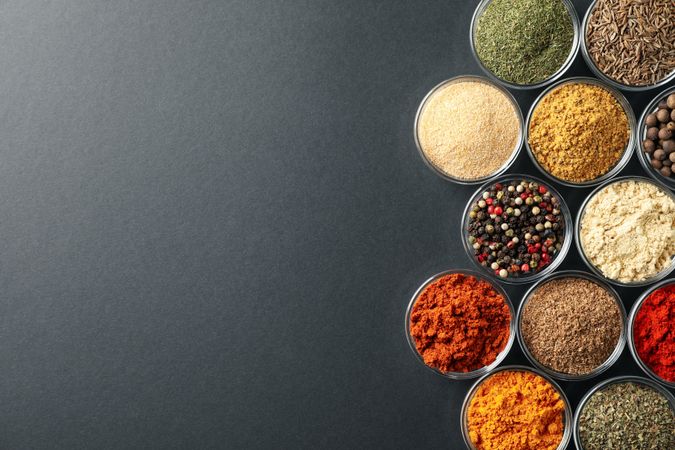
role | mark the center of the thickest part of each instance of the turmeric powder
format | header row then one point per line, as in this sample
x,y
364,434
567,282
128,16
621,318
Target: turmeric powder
x,y
578,132
516,410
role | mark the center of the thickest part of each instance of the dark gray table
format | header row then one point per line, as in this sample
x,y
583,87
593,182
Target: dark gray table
x,y
213,216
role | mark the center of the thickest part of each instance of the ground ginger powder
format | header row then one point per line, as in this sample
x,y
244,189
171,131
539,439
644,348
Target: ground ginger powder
x,y
628,230
516,410
578,132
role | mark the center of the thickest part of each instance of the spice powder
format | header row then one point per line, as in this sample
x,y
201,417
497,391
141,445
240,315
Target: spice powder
x,y
571,325
516,410
468,129
578,132
627,230
460,323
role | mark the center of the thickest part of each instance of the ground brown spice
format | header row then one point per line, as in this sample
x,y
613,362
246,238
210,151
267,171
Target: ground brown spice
x,y
571,325
578,132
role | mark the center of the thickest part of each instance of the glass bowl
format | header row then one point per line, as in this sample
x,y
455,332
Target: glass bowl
x,y
567,433
599,73
611,359
566,65
627,151
631,338
577,235
475,79
641,135
478,372
532,276
606,383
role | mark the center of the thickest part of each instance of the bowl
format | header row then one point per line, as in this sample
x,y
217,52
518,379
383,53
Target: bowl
x,y
478,372
566,65
641,135
611,359
627,151
599,73
577,235
609,382
532,276
567,433
507,163
631,338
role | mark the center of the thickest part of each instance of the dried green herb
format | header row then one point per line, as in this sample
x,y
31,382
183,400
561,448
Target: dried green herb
x,y
524,41
627,415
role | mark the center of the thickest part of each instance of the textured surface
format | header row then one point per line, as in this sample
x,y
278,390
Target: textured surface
x,y
214,216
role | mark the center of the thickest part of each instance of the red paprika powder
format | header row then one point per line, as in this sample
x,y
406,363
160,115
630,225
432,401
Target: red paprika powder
x,y
654,332
460,323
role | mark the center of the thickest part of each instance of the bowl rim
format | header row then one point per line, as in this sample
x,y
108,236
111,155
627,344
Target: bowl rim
x,y
615,380
627,151
482,370
477,79
641,135
613,356
568,413
631,336
599,73
564,250
577,233
576,41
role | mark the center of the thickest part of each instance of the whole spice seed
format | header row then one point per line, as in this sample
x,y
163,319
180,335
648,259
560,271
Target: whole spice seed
x,y
627,415
516,228
578,132
460,323
571,325
524,41
468,129
628,230
516,410
659,144
631,41
654,332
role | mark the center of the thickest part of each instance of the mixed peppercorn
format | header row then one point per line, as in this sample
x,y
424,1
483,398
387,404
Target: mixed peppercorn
x,y
516,228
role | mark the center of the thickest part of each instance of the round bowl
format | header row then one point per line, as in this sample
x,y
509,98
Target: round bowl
x,y
611,359
627,151
566,65
599,73
604,384
567,433
476,79
641,135
631,338
577,235
533,276
478,372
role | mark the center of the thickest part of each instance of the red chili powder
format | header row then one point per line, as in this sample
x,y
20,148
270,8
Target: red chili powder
x,y
654,332
460,323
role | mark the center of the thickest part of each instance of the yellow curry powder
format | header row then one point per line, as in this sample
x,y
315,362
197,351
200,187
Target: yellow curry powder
x,y
578,132
516,410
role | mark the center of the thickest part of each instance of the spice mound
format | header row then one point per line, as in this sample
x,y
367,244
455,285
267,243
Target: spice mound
x,y
516,228
627,230
627,415
659,143
524,41
571,325
460,323
578,132
468,130
654,332
516,410
631,41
